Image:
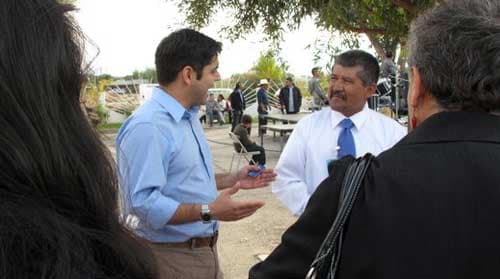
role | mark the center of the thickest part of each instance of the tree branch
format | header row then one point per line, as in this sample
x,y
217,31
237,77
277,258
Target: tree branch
x,y
376,45
368,30
408,6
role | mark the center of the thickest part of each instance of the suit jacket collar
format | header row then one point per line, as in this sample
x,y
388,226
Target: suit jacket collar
x,y
456,126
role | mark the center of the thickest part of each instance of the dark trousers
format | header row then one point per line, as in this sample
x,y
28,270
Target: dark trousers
x,y
236,118
262,122
260,158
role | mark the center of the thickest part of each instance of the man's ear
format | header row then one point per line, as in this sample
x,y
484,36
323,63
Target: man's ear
x,y
417,89
370,90
187,74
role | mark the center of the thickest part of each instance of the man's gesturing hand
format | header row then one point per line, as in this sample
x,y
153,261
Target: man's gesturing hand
x,y
224,208
262,180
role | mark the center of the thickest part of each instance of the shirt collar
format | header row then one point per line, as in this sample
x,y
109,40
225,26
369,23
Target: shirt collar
x,y
172,106
358,118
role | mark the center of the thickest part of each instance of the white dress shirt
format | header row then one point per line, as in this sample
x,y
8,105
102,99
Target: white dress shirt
x,y
312,145
291,105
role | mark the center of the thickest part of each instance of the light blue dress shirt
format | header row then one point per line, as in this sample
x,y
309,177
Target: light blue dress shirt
x,y
164,160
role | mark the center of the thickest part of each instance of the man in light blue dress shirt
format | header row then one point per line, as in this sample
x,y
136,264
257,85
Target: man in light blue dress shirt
x,y
169,189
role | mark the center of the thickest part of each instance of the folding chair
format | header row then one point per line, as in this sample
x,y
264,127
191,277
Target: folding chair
x,y
242,153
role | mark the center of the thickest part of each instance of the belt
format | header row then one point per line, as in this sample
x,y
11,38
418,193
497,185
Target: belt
x,y
195,242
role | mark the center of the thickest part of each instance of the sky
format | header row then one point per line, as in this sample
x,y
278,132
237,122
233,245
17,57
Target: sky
x,y
126,33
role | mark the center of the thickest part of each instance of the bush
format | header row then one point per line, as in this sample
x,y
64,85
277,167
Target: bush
x,y
103,113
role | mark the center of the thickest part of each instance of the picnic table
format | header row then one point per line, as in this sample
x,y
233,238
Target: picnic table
x,y
283,129
291,118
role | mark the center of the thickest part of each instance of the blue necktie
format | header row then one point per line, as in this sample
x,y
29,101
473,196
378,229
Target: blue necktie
x,y
346,140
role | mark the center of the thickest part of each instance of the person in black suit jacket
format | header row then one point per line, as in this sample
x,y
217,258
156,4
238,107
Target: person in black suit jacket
x,y
284,96
428,206
238,105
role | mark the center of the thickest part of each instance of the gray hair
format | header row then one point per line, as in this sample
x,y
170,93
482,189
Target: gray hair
x,y
369,64
456,48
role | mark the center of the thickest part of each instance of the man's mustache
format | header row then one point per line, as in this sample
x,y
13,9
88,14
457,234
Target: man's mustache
x,y
338,94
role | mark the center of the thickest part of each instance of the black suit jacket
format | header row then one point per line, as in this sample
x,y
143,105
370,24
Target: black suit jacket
x,y
236,102
428,209
284,96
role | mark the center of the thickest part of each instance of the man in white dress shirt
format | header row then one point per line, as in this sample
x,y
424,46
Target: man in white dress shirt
x,y
315,141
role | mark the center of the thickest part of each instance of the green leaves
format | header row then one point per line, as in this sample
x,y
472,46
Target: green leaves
x,y
267,67
384,20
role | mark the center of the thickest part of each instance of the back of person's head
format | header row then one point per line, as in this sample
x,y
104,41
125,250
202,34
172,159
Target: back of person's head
x,y
237,86
58,187
184,47
369,66
246,119
460,68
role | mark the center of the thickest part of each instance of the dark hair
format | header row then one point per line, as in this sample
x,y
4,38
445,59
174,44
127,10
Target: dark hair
x,y
370,69
314,70
289,78
58,186
246,119
184,47
237,86
460,68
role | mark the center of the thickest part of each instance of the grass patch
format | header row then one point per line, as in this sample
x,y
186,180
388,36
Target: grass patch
x,y
105,126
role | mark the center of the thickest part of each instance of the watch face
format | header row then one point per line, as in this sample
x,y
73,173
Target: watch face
x,y
206,217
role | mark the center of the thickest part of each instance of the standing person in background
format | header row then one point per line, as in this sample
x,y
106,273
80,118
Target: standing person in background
x,y
388,70
168,183
262,104
348,127
238,105
290,97
319,98
59,213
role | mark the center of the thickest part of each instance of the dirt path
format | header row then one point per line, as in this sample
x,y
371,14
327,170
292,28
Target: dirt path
x,y
240,242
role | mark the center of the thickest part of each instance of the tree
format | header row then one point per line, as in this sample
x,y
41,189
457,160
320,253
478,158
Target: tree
x,y
267,67
385,22
148,74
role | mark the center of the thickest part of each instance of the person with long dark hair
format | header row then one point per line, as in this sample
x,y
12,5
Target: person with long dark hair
x,y
58,188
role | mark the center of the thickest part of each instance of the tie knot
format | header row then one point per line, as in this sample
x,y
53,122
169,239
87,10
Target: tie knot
x,y
346,123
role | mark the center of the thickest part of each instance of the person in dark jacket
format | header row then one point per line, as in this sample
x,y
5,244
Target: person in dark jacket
x,y
427,207
290,97
238,105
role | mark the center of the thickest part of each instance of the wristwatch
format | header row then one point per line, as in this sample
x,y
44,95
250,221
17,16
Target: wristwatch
x,y
206,217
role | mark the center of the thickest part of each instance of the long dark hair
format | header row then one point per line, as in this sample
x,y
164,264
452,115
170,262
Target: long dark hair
x,y
58,186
